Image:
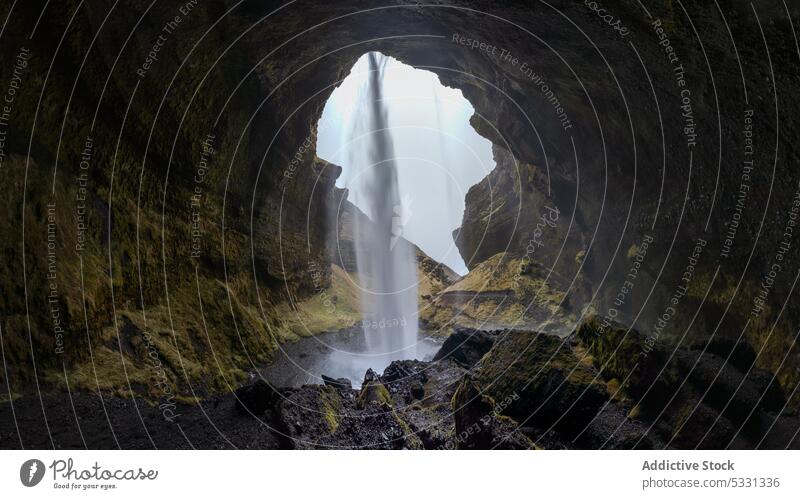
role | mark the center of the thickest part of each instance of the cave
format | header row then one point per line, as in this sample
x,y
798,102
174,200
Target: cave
x,y
627,256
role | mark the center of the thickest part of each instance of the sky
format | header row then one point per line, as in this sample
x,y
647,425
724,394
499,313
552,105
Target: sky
x,y
439,155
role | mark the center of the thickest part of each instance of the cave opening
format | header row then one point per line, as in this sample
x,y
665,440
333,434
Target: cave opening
x,y
438,153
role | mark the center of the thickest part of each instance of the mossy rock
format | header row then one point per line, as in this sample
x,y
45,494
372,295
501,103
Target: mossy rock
x,y
309,414
479,424
645,369
373,392
538,380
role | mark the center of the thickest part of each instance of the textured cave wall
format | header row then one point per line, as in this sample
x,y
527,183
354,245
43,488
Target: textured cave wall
x,y
266,73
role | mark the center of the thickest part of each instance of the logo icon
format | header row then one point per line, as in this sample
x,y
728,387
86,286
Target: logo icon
x,y
31,472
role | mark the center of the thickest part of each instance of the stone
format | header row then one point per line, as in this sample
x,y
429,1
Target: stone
x,y
479,424
466,346
373,392
341,384
538,380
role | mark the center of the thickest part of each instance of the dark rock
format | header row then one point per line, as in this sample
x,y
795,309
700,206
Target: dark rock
x,y
316,417
648,370
613,428
466,346
479,424
256,398
418,391
700,426
370,376
341,384
696,397
403,370
538,380
423,398
725,386
309,414
739,353
769,388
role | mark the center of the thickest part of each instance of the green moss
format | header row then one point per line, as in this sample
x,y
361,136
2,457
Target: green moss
x,y
530,362
611,348
330,406
331,309
5,398
373,392
412,441
502,291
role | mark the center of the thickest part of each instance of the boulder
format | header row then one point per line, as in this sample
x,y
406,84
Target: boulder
x,y
466,346
648,369
401,371
341,384
422,394
373,392
417,391
700,395
538,380
309,414
479,424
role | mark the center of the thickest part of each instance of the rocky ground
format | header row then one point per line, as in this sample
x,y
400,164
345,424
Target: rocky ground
x,y
502,389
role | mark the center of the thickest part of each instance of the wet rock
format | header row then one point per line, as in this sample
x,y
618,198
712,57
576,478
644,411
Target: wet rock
x,y
466,346
738,352
626,355
614,428
708,395
373,428
729,390
538,380
423,393
698,425
341,384
404,370
479,424
309,414
318,417
370,376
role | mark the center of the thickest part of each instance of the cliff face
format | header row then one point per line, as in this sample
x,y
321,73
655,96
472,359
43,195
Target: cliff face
x,y
160,245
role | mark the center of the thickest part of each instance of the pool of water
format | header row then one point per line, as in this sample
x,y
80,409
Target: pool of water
x,y
338,355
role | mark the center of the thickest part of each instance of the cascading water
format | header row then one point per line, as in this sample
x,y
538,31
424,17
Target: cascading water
x,y
405,145
386,263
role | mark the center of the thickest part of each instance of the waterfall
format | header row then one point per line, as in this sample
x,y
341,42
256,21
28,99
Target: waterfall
x,y
386,262
405,145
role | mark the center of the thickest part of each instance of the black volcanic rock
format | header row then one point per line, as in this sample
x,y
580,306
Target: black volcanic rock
x,y
422,394
341,384
479,424
466,346
538,380
709,395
